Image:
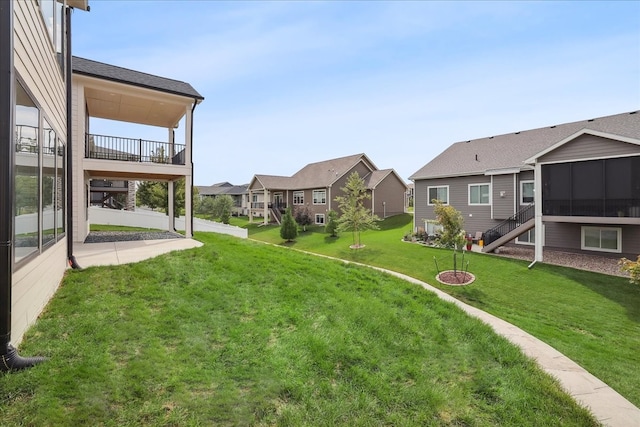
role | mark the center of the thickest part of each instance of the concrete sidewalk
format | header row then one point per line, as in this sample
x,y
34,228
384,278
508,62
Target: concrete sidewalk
x,y
115,253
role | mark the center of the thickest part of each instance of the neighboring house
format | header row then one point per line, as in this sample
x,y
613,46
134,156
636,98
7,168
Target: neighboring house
x,y
572,187
238,193
113,194
48,157
316,186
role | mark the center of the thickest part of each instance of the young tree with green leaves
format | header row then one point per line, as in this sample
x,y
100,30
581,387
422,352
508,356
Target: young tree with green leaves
x,y
451,221
332,223
288,228
222,206
355,216
155,195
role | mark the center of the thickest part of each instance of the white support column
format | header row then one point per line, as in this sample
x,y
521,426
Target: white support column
x,y
170,211
266,206
188,179
171,139
537,197
188,206
250,206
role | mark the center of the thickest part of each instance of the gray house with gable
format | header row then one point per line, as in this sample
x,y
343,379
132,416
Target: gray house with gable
x,y
572,187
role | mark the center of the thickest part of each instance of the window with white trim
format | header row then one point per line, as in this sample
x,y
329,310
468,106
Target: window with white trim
x,y
319,197
320,219
527,238
479,194
298,197
440,193
526,192
603,239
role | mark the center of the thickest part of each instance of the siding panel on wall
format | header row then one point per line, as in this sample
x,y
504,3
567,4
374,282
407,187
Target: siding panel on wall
x,y
503,194
590,147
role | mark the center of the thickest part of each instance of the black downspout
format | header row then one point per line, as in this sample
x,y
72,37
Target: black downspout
x,y
68,73
9,358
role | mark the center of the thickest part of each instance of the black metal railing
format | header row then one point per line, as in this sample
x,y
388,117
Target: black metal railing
x,y
281,206
628,208
106,147
508,225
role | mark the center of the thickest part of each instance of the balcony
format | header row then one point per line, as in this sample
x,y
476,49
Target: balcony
x,y
103,147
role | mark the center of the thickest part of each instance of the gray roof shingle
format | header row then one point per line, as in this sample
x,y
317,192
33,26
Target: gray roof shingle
x,y
100,70
511,150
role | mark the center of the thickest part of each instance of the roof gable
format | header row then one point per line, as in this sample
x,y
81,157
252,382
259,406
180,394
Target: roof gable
x,y
604,145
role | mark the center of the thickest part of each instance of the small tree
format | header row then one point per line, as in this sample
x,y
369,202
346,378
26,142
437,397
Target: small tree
x,y
332,223
633,268
289,228
451,221
205,206
303,217
355,216
222,206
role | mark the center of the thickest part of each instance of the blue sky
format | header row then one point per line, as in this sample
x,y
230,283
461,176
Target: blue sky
x,y
287,83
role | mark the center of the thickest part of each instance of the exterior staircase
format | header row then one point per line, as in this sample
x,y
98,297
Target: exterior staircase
x,y
509,229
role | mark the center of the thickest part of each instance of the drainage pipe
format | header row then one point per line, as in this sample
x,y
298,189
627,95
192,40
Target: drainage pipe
x,y
9,358
68,74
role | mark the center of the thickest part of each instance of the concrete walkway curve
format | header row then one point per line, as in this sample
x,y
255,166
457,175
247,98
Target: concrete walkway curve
x,y
607,405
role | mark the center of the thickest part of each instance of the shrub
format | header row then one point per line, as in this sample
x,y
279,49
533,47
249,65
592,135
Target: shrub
x,y
631,267
289,228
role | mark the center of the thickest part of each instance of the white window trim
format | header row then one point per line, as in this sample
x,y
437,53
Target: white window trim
x,y
313,196
437,186
530,243
294,197
531,181
488,184
319,216
589,248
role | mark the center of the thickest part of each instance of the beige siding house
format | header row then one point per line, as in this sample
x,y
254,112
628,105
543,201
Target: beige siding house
x,y
316,186
572,187
49,156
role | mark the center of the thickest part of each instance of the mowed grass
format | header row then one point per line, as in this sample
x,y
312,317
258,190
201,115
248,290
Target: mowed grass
x,y
592,318
238,333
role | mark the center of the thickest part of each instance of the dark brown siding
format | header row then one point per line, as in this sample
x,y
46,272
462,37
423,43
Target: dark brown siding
x,y
590,147
391,191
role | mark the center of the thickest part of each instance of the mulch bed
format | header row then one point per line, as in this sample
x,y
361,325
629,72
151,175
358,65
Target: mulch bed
x,y
455,278
128,236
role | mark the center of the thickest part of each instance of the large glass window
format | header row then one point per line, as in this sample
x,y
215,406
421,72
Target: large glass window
x,y
319,197
298,197
605,239
479,194
438,193
48,183
61,189
528,237
26,175
526,192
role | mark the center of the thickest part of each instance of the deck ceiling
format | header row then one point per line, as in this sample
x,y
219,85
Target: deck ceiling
x,y
134,107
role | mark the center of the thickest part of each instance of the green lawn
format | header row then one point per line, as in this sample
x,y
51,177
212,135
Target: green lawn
x,y
592,318
238,333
